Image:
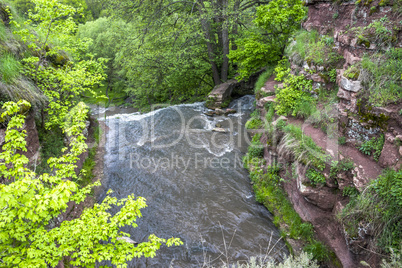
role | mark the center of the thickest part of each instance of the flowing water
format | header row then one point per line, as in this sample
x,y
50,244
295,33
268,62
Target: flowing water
x,y
194,183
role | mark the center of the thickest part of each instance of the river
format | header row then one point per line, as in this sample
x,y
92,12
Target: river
x,y
194,183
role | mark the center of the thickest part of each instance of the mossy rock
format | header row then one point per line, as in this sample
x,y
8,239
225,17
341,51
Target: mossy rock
x,y
59,59
362,41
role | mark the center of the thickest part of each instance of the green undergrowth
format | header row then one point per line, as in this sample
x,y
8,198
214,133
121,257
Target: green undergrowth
x,y
88,166
315,177
294,98
373,147
378,208
316,50
269,192
254,122
382,77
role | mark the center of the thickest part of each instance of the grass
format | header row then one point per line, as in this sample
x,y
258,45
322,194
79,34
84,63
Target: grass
x,y
379,207
10,68
262,79
302,147
382,77
3,32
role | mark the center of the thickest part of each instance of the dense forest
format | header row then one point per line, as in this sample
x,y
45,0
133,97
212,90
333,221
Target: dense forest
x,y
59,56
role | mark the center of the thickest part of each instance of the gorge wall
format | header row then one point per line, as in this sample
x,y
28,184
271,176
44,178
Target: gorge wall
x,y
352,122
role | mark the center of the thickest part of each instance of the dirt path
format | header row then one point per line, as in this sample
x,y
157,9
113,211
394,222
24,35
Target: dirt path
x,y
368,168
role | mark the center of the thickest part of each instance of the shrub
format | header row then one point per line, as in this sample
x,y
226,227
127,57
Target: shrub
x,y
342,140
256,149
378,207
254,123
350,191
352,72
295,91
373,146
315,177
304,260
10,68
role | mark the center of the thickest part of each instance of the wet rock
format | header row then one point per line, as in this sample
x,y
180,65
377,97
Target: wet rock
x,y
349,85
218,125
126,239
230,111
218,129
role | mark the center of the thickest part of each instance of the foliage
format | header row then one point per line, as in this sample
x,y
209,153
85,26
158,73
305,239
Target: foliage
x,y
294,96
108,36
352,72
10,68
256,148
378,208
315,177
275,21
303,147
282,69
350,191
52,143
373,146
340,166
319,251
382,77
268,191
395,260
64,83
315,50
254,122
342,140
31,202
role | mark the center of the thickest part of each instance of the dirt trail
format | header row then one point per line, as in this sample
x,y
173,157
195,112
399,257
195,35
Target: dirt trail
x,y
369,168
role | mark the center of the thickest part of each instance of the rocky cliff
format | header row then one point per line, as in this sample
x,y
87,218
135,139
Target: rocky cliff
x,y
359,130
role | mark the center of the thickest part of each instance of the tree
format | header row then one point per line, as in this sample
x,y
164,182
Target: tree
x,y
61,79
177,47
275,23
29,203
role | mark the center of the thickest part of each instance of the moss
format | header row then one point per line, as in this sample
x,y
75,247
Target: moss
x,y
373,9
380,121
363,41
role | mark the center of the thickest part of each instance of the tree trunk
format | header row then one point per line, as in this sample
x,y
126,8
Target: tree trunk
x,y
210,47
225,43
